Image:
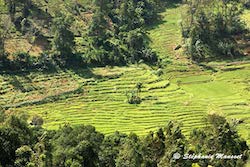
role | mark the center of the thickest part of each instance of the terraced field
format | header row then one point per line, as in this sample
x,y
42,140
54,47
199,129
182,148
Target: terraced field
x,y
101,102
185,92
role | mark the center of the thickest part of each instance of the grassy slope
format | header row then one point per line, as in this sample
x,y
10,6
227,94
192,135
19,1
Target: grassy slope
x,y
193,91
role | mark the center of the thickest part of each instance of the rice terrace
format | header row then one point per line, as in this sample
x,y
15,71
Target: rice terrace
x,y
132,97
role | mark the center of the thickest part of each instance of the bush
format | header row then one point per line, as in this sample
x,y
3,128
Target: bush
x,y
37,121
21,60
4,62
148,55
133,98
227,48
45,62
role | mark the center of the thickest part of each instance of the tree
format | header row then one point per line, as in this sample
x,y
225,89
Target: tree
x,y
131,18
42,149
209,28
175,143
130,153
63,40
37,121
219,137
99,34
2,39
21,127
9,142
11,5
110,148
83,146
130,15
23,155
136,43
5,31
78,145
153,148
117,33
14,135
150,10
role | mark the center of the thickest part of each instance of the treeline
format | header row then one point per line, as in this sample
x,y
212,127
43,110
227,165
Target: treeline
x,y
116,34
210,28
23,145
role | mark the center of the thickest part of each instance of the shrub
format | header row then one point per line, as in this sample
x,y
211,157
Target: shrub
x,y
45,62
21,60
4,62
36,120
227,48
148,55
133,98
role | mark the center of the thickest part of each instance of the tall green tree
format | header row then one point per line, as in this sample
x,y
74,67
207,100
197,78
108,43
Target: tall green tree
x,y
219,137
130,153
9,142
110,148
63,39
20,126
99,33
175,143
153,148
11,5
79,145
209,28
23,5
14,133
42,149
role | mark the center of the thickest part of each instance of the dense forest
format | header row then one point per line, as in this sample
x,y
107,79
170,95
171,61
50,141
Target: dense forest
x,y
60,35
115,36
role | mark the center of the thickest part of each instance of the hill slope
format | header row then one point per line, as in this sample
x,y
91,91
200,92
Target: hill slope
x,y
185,92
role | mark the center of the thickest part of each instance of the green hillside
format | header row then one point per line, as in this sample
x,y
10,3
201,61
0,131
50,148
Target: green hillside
x,y
185,92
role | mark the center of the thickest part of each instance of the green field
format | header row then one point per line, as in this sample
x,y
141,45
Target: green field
x,y
185,92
